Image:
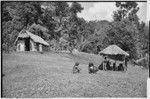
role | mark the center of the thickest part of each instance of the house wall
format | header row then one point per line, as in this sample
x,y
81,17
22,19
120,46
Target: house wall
x,y
36,46
21,45
40,47
45,48
33,46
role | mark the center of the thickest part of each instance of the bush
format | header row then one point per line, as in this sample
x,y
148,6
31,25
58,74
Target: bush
x,y
7,49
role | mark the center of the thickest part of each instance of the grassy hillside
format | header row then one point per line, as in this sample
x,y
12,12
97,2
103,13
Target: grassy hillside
x,y
50,75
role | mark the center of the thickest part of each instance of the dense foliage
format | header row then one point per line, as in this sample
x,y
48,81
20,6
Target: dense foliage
x,y
58,24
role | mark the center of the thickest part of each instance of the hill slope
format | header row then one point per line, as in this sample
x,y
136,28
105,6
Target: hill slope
x,y
50,75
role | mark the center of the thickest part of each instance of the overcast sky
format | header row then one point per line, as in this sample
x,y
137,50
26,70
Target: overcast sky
x,y
104,11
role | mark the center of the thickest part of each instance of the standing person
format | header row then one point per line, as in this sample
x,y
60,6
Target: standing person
x,y
114,66
105,63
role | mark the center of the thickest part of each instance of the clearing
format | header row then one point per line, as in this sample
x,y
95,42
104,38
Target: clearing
x,y
45,75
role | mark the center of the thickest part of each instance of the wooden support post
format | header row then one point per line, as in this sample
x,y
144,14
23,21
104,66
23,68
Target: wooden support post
x,y
40,47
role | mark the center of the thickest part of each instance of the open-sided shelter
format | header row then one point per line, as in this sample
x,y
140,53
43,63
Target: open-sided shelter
x,y
113,50
26,41
116,53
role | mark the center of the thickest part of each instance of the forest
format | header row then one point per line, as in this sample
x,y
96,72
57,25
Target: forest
x,y
59,25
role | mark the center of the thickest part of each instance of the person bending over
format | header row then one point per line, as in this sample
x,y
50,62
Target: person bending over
x,y
76,68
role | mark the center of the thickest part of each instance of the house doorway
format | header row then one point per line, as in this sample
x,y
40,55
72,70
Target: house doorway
x,y
27,44
37,46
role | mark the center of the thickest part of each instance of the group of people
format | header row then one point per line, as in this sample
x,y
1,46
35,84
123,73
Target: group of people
x,y
115,66
105,65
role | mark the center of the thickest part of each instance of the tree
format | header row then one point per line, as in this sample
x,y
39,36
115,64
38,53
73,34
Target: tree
x,y
96,36
60,19
125,9
124,34
6,16
128,11
72,24
39,30
61,14
56,17
57,14
16,16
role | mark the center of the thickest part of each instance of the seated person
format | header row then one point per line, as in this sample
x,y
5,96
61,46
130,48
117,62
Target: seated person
x,y
108,67
95,69
92,68
120,67
114,66
100,67
76,68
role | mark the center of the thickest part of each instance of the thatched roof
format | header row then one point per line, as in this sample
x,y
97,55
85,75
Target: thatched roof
x,y
35,38
113,50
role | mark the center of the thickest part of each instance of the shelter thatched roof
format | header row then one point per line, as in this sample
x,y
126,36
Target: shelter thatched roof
x,y
113,50
35,38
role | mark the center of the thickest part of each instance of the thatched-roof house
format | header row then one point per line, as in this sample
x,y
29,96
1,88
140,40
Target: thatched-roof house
x,y
114,52
26,41
116,55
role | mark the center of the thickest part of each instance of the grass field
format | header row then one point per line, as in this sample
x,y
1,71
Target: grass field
x,y
50,75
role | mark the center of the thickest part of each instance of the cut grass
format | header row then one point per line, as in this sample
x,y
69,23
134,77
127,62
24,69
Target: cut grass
x,y
50,75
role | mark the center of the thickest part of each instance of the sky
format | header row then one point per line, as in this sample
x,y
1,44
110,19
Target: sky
x,y
148,10
104,11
